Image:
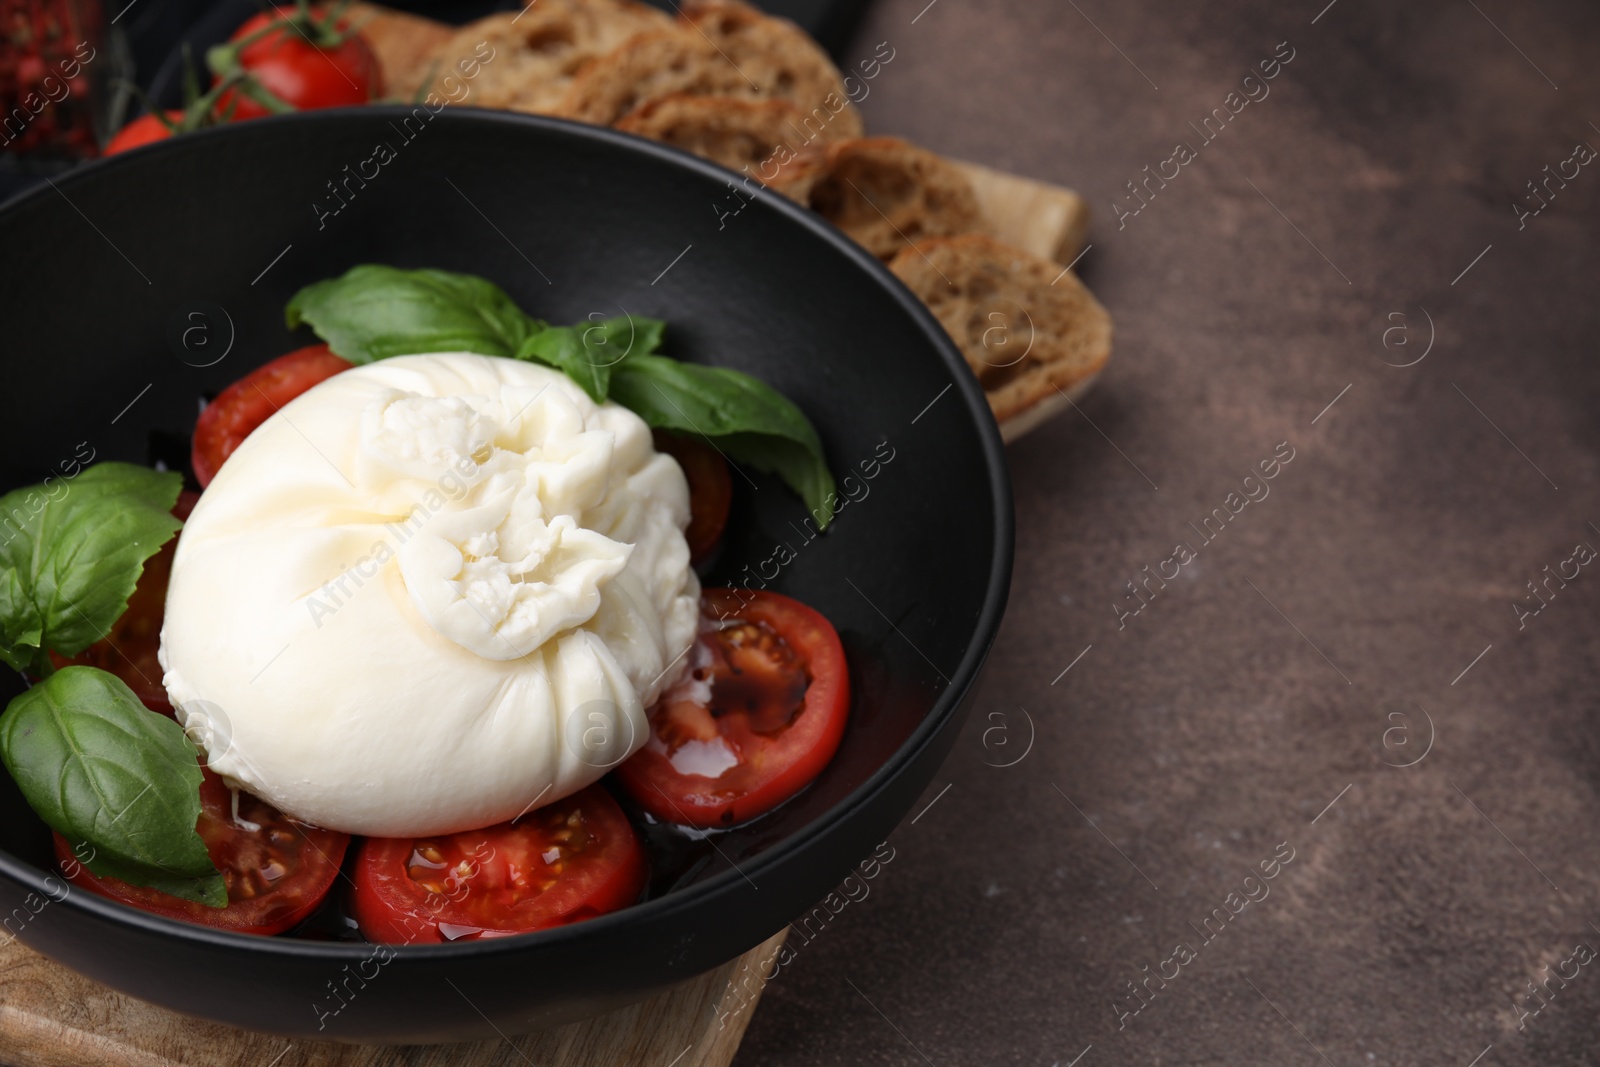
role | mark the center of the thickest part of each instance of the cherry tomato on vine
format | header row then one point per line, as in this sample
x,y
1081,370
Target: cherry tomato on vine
x,y
306,61
146,129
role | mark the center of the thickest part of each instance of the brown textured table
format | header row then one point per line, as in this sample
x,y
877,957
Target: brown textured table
x,y
1301,654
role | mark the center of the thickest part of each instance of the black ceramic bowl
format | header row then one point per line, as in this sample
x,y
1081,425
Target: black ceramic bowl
x,y
135,286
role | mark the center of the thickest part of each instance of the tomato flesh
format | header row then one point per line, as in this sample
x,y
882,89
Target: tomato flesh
x,y
757,715
299,73
277,870
146,129
129,649
566,862
250,401
710,491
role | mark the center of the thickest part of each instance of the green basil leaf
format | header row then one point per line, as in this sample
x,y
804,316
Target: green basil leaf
x,y
373,312
562,347
612,340
801,469
209,890
70,556
745,417
103,770
21,627
587,352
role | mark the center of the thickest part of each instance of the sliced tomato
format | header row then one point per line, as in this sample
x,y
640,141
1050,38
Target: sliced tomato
x,y
710,490
568,861
305,63
277,870
757,715
129,649
248,402
146,129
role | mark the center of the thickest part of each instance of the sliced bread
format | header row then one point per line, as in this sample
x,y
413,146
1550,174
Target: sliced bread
x,y
672,59
754,137
1030,331
539,50
722,49
781,57
884,192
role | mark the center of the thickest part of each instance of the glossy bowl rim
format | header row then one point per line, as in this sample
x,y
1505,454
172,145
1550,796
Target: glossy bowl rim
x,y
944,706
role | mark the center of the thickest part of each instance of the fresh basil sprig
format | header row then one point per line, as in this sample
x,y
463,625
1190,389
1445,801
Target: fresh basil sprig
x,y
105,771
587,352
373,312
747,419
71,555
97,765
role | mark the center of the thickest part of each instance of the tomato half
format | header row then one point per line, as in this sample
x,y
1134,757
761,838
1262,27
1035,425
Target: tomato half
x,y
568,861
757,715
710,491
303,74
146,129
129,649
277,870
248,402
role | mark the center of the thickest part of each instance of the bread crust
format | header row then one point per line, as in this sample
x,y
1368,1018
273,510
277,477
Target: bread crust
x,y
669,60
781,56
1029,330
540,50
753,137
598,61
884,192
721,49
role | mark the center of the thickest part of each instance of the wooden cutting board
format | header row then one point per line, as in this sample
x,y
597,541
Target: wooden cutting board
x,y
52,1017
1047,220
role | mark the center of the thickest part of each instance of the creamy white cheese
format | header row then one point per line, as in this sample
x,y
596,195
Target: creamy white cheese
x,y
430,594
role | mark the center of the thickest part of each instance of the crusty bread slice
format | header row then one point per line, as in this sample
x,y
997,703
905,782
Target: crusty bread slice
x,y
751,136
766,59
1029,329
780,56
884,192
672,59
538,51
